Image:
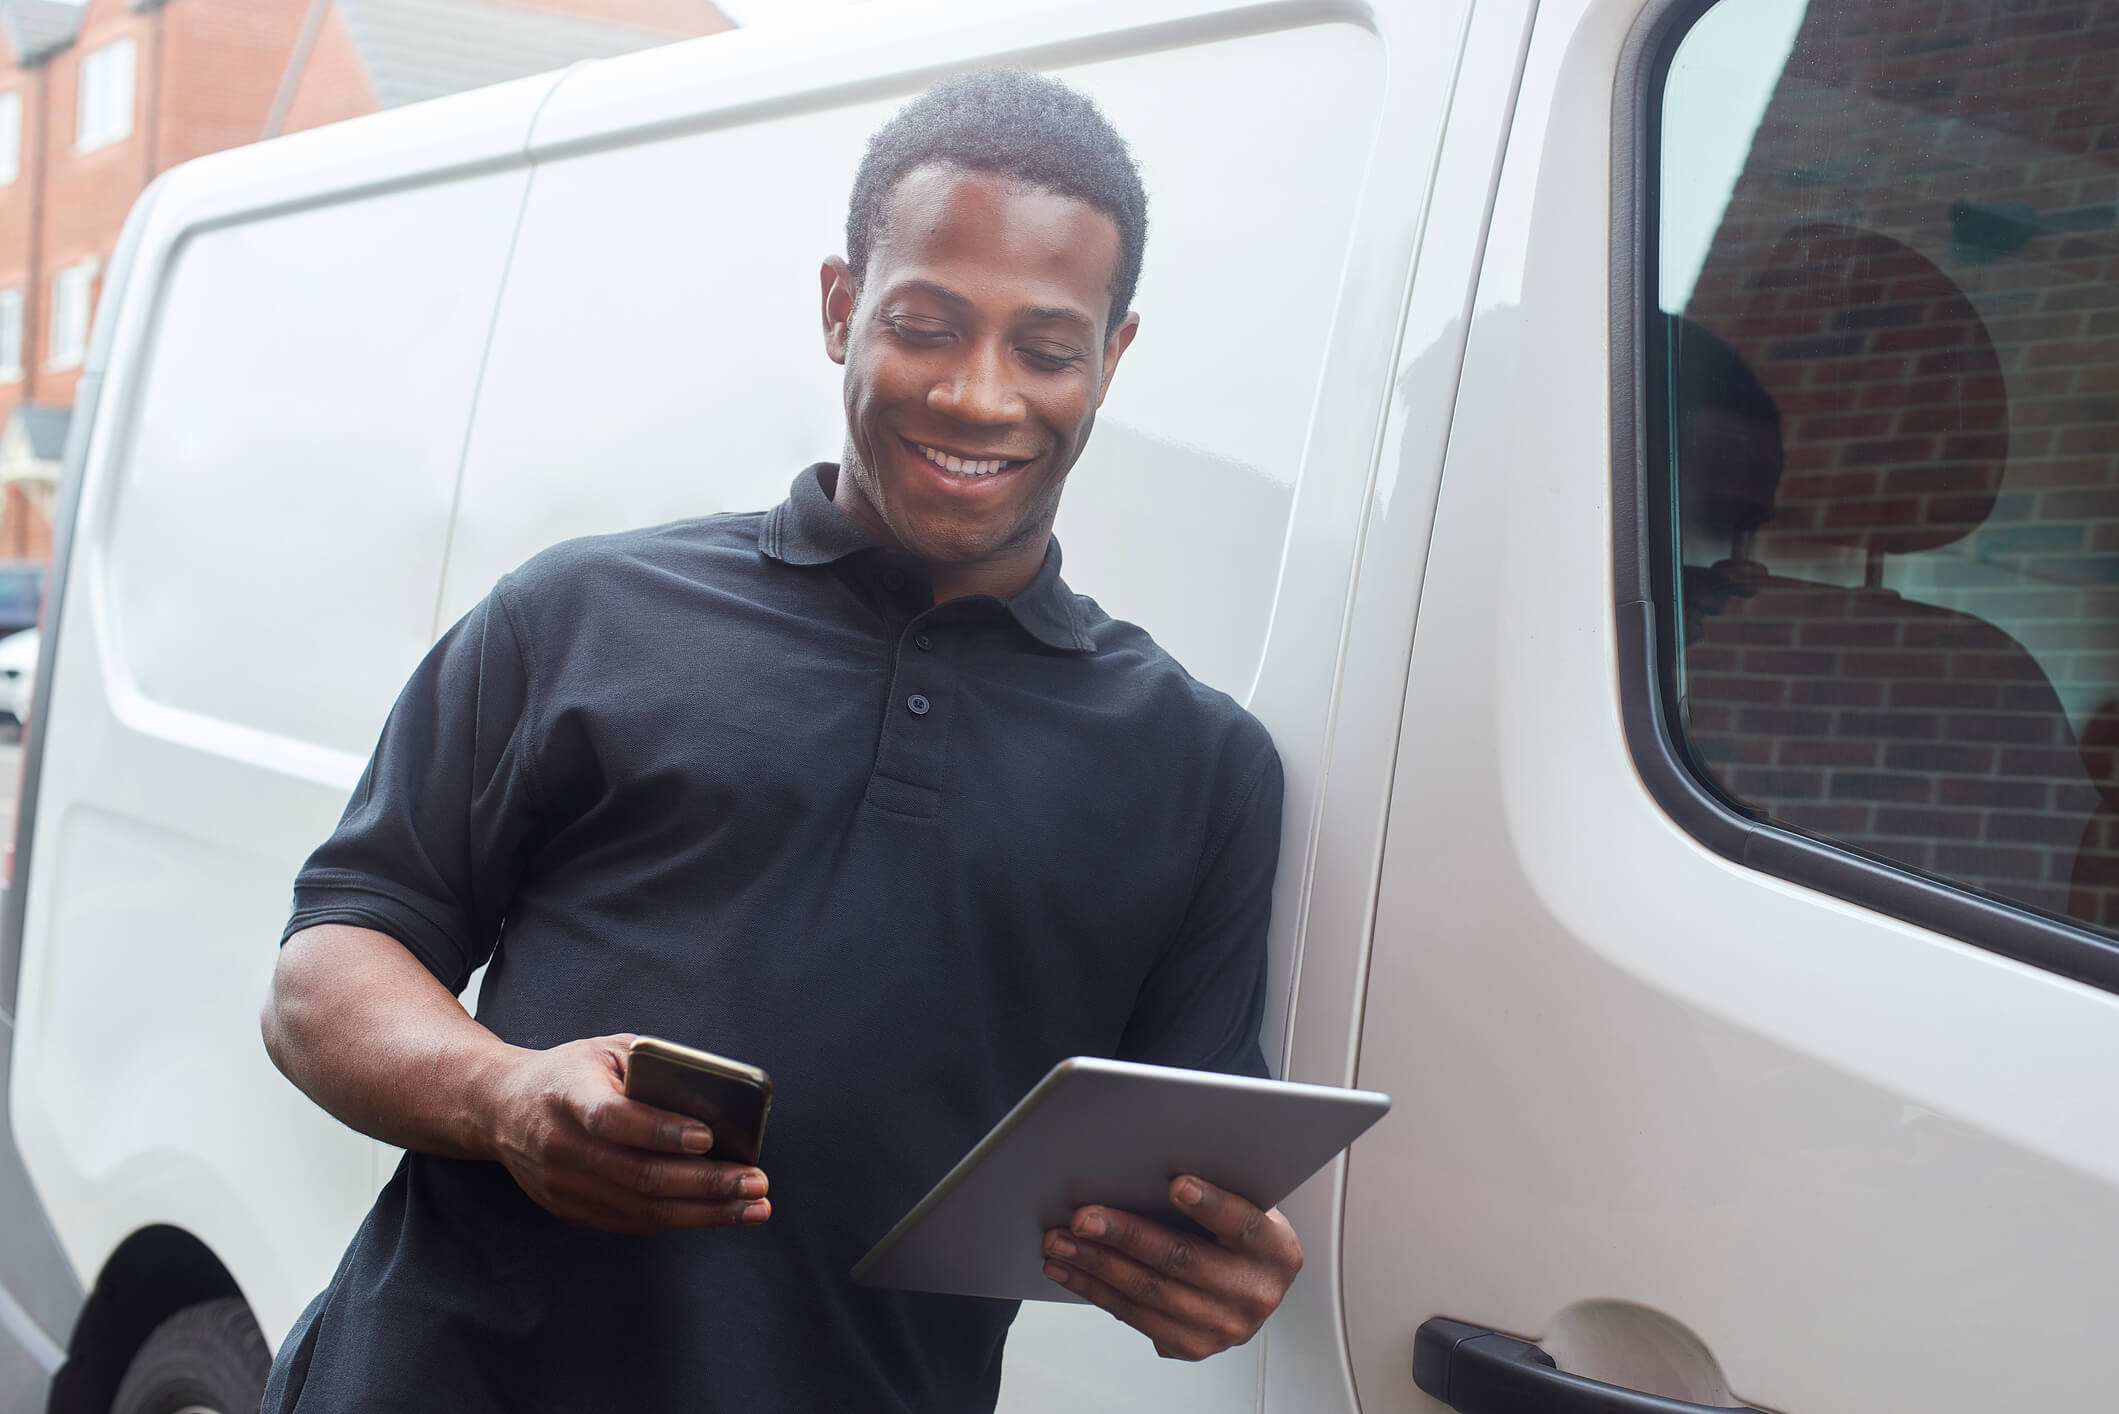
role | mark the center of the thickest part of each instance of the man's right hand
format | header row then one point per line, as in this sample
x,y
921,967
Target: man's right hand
x,y
363,1028
562,1125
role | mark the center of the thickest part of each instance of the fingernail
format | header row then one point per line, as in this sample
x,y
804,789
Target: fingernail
x,y
1190,1192
698,1139
1091,1226
1062,1245
757,1212
1057,1272
754,1185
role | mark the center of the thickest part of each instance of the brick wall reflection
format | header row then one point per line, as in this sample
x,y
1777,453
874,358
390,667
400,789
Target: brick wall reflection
x,y
1904,633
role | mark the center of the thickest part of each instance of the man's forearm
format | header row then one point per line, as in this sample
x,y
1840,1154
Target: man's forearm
x,y
362,1028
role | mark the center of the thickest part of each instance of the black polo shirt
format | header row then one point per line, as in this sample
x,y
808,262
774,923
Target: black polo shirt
x,y
739,782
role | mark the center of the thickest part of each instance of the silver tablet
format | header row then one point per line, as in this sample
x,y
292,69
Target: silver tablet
x,y
1115,1133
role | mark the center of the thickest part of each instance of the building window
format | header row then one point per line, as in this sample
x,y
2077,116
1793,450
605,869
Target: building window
x,y
10,335
1889,390
10,136
73,291
103,107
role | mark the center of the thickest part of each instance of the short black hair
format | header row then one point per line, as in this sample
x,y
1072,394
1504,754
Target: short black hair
x,y
1020,125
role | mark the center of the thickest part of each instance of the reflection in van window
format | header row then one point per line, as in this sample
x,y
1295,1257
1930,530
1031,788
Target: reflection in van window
x,y
1889,274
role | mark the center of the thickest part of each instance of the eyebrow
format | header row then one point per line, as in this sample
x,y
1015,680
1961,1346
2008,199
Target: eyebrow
x,y
940,292
1065,316
1033,311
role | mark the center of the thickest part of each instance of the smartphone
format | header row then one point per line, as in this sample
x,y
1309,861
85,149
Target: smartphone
x,y
729,1097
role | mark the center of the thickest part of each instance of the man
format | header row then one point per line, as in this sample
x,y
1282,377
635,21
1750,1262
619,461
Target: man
x,y
855,790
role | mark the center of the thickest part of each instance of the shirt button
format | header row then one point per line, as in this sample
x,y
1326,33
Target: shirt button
x,y
917,705
893,581
924,643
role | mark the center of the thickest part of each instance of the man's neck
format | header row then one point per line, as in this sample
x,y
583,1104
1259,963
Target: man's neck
x,y
1003,576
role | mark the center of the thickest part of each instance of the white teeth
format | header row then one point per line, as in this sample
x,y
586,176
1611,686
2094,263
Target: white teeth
x,y
959,465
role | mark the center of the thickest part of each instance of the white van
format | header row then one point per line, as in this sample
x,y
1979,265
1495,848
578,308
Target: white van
x,y
1654,467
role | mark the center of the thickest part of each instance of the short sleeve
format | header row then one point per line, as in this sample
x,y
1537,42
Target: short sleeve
x,y
440,827
1203,1002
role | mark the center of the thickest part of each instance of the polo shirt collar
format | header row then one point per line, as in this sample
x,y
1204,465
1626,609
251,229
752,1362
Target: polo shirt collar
x,y
807,529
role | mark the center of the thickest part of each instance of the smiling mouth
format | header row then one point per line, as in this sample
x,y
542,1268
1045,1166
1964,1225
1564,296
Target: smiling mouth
x,y
964,466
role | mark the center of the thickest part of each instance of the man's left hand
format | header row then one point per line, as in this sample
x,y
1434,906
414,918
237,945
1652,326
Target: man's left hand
x,y
1191,1297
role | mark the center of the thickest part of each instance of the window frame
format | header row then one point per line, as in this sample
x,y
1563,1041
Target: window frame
x,y
11,295
11,151
58,359
1647,616
103,123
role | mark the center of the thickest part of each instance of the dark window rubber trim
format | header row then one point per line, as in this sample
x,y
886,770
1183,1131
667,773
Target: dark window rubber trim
x,y
1646,638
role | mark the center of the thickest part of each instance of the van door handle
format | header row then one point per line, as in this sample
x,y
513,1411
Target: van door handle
x,y
1475,1370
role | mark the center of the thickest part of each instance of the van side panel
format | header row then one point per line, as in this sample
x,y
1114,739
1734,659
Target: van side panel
x,y
260,544
276,536
40,1295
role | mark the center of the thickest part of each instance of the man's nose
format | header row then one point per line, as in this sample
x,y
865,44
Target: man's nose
x,y
979,390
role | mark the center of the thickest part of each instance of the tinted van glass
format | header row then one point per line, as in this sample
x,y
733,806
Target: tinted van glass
x,y
1888,358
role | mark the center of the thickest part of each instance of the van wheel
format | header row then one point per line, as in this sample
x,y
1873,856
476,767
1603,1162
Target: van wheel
x,y
206,1359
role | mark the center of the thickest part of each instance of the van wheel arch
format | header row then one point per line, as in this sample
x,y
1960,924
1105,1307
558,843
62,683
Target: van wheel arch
x,y
155,1273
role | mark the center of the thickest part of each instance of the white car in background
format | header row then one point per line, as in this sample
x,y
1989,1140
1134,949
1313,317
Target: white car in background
x,y
18,674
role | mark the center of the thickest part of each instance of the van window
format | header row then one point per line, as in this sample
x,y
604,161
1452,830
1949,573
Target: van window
x,y
1887,365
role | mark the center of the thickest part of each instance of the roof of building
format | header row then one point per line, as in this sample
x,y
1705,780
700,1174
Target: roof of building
x,y
419,49
38,29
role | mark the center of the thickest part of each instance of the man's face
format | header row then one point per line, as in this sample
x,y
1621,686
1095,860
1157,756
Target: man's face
x,y
976,357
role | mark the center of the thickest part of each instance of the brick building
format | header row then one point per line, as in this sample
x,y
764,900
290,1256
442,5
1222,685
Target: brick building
x,y
99,97
1910,643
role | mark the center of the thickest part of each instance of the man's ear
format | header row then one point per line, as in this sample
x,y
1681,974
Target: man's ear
x,y
837,281
1115,345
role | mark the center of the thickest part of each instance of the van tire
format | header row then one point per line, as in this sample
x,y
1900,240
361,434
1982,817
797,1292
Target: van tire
x,y
206,1359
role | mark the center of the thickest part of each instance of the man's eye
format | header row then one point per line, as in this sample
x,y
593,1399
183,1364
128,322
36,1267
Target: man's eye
x,y
925,334
1049,360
